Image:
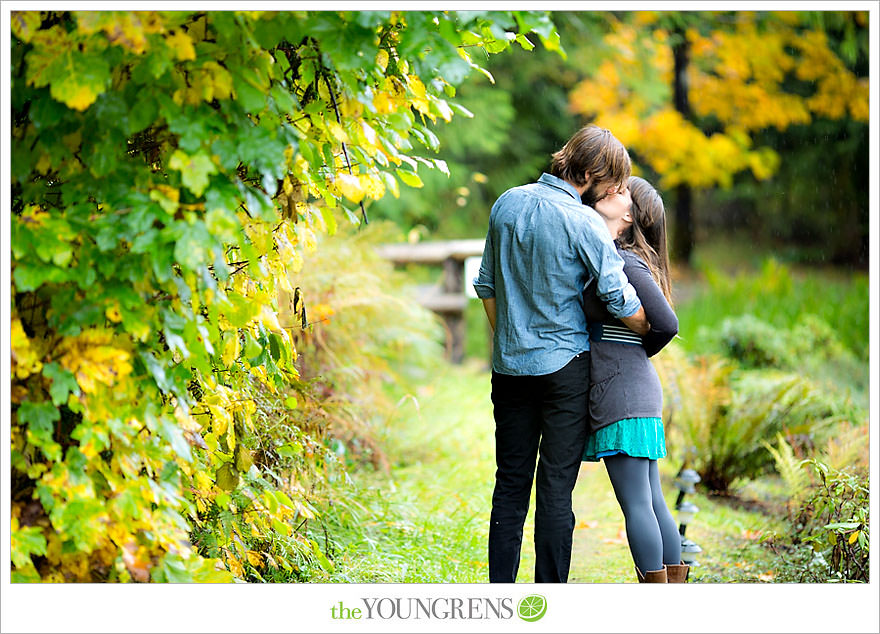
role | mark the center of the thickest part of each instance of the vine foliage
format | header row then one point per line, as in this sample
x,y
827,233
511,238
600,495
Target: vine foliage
x,y
170,170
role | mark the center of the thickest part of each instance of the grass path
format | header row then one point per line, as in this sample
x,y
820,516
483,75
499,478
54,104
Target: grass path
x,y
427,521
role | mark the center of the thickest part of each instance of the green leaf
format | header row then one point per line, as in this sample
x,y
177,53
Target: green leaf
x,y
275,346
410,178
39,418
329,220
524,42
290,402
844,525
172,433
27,541
173,569
281,527
195,170
38,415
29,278
281,496
325,563
63,383
251,98
290,450
227,477
242,458
252,348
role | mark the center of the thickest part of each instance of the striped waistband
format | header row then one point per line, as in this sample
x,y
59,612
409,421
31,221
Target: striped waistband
x,y
614,333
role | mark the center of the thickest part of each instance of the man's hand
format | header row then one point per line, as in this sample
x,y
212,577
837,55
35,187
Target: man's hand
x,y
637,322
489,306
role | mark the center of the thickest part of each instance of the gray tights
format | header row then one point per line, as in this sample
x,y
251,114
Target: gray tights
x,y
650,530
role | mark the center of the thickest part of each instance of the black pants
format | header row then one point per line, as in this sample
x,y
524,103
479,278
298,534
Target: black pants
x,y
549,413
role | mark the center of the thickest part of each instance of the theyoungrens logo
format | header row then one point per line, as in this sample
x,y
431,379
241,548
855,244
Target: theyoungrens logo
x,y
529,608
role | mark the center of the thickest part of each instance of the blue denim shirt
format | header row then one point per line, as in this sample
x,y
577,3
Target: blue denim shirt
x,y
542,247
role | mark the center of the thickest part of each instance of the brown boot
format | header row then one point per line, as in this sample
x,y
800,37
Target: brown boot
x,y
652,576
677,573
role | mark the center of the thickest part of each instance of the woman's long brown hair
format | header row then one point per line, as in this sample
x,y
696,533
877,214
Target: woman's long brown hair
x,y
646,237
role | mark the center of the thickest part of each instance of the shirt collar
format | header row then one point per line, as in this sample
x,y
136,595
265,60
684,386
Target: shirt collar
x,y
558,183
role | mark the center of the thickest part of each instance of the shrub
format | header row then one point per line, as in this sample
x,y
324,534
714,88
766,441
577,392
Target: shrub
x,y
809,345
829,515
369,342
750,341
780,297
722,415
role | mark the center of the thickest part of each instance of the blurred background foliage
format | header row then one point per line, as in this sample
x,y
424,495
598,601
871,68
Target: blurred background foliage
x,y
774,145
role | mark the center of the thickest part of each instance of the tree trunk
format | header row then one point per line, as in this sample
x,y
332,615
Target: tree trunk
x,y
683,231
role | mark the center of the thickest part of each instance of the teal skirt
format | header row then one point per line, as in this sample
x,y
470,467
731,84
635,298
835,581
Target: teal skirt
x,y
637,437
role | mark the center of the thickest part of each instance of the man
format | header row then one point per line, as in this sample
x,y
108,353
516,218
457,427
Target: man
x,y
542,247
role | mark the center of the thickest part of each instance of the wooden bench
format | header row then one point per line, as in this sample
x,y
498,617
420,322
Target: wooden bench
x,y
449,299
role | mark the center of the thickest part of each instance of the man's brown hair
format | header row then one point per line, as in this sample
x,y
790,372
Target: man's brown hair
x,y
595,150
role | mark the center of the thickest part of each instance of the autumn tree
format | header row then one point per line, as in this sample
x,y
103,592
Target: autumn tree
x,y
692,94
169,169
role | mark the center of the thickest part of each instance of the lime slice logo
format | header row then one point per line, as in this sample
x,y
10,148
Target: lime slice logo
x,y
532,607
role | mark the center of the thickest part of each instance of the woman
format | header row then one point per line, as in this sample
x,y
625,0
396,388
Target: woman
x,y
626,399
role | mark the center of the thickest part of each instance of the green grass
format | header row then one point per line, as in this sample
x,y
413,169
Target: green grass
x,y
427,520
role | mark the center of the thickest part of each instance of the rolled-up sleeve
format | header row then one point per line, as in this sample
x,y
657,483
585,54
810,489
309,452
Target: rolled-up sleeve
x,y
606,265
484,283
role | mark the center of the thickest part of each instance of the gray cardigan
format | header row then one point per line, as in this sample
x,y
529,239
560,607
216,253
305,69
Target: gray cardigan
x,y
623,381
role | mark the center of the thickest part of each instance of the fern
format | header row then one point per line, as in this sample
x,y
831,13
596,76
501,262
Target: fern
x,y
790,468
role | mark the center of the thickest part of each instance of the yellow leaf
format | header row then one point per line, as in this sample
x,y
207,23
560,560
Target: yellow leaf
x,y
254,558
384,103
220,419
382,59
373,187
25,23
92,360
269,319
308,239
231,347
234,566
852,538
350,186
423,106
113,314
25,360
416,85
242,458
181,44
82,98
337,131
324,91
